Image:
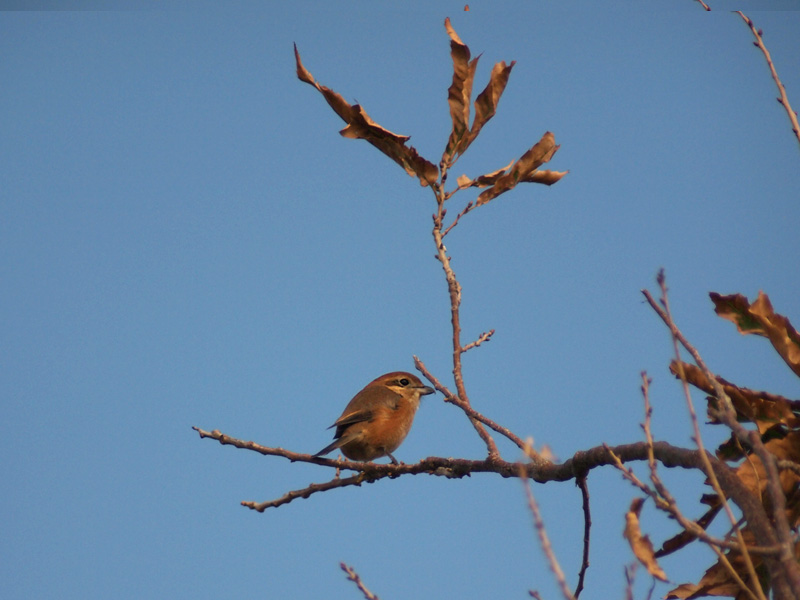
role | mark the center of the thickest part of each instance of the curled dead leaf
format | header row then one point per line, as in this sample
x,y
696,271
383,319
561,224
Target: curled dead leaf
x,y
640,544
523,170
463,181
759,407
760,319
459,96
717,581
361,126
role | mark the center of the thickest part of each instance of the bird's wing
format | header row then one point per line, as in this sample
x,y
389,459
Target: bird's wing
x,y
362,407
353,416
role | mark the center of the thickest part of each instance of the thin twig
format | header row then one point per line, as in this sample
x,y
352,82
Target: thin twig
x,y
783,99
483,337
454,290
544,540
668,504
354,577
667,495
581,482
306,492
652,589
471,412
630,577
470,205
677,337
671,507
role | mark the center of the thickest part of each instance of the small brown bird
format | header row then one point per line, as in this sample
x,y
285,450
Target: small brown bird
x,y
378,418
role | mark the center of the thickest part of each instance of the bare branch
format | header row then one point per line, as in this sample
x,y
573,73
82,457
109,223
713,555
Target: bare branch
x,y
544,540
581,482
306,492
630,578
354,577
483,337
540,471
783,99
454,290
470,412
470,205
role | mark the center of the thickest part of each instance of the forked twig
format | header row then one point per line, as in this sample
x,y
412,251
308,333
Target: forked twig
x,y
467,408
470,205
454,291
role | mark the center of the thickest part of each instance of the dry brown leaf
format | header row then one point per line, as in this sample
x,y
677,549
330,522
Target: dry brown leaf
x,y
463,181
488,179
759,318
460,94
716,581
762,408
753,474
640,544
546,177
361,126
522,170
487,100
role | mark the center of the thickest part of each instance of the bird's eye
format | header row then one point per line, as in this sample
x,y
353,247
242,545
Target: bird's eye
x,y
404,382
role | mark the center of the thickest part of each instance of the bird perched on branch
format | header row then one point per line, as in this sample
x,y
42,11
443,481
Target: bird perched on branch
x,y
378,418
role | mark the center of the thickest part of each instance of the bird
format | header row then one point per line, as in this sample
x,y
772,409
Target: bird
x,y
378,418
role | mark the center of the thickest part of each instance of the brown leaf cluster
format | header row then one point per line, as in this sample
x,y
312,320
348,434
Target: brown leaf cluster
x,y
459,97
717,581
523,170
460,94
774,418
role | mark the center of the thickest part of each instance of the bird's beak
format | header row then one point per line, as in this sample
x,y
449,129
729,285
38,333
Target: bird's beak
x,y
425,390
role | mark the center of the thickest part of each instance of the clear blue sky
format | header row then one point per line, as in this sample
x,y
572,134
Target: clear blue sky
x,y
186,240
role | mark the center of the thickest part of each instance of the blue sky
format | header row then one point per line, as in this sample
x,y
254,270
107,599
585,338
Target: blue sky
x,y
186,240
